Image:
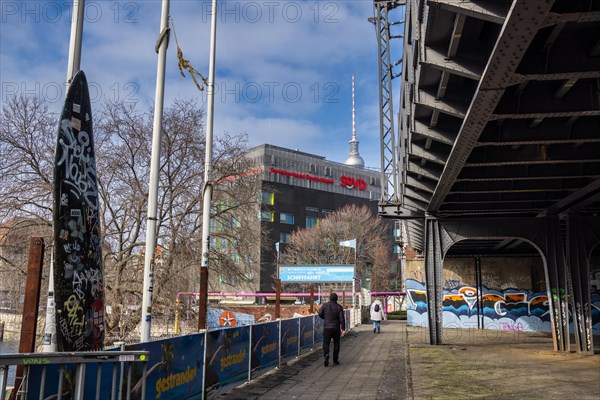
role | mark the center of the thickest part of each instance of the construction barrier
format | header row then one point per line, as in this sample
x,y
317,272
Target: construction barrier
x,y
196,366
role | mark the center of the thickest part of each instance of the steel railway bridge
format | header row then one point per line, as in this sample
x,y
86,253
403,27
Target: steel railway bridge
x,y
498,139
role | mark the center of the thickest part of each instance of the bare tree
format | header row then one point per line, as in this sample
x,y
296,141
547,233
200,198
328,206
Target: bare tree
x,y
27,139
320,245
125,155
27,135
123,139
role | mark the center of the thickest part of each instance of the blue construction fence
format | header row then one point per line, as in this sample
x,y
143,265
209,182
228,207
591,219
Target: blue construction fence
x,y
203,365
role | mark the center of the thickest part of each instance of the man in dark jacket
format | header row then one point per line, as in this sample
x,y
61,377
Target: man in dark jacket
x,y
333,316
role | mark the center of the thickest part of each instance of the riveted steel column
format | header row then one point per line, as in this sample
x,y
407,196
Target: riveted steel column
x,y
389,158
433,277
557,280
580,278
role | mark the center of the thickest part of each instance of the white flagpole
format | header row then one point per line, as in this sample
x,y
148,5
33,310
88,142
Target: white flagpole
x,y
208,188
73,65
154,176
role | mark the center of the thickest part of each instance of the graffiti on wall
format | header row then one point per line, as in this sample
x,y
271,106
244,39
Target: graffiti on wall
x,y
508,310
465,307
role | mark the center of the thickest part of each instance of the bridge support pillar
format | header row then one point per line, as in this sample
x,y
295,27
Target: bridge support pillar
x,y
433,276
577,253
557,280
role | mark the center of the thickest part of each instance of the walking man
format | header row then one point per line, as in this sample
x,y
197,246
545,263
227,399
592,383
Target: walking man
x,y
334,326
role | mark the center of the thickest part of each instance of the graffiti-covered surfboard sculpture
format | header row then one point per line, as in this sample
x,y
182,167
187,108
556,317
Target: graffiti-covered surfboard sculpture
x,y
78,275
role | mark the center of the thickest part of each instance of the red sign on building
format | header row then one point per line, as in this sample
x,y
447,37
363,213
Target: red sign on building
x,y
353,183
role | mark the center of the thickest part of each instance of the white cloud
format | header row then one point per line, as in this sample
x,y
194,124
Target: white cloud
x,y
283,67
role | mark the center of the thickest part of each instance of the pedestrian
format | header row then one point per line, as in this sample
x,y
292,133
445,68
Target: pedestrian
x,y
334,326
377,315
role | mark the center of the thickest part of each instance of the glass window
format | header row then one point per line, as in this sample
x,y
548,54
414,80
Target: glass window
x,y
285,237
268,216
312,209
286,218
311,222
235,223
326,211
267,197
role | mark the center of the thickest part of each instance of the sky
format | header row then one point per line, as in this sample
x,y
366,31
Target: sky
x,y
283,68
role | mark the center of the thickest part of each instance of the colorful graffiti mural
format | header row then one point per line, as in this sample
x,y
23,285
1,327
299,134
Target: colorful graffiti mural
x,y
218,318
508,310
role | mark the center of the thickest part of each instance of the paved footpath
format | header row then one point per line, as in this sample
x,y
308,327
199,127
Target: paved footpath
x,y
372,366
400,364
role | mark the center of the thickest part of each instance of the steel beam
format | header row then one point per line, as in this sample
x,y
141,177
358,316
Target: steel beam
x,y
425,171
427,154
529,162
389,157
556,18
420,184
557,114
577,253
433,277
557,281
433,133
441,105
491,11
520,28
577,141
590,192
388,210
440,61
413,194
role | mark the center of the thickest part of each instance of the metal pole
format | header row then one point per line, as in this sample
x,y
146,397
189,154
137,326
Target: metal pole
x,y
31,303
74,62
354,282
73,65
79,381
207,192
121,371
177,301
3,378
50,329
154,172
277,298
203,299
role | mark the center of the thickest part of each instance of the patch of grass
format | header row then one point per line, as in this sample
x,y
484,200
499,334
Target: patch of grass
x,y
397,315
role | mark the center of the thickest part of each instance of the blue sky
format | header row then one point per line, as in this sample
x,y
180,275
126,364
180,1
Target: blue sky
x,y
283,68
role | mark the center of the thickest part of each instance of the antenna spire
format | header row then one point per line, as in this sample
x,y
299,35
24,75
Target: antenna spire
x,y
353,112
354,158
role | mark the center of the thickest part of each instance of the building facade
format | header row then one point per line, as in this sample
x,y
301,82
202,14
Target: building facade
x,y
297,190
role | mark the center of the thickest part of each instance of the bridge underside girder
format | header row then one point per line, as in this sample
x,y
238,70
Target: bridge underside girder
x,y
499,128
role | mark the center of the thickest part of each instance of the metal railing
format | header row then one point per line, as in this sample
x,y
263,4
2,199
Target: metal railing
x,y
122,362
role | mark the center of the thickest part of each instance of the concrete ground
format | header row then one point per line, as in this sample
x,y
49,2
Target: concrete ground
x,y
400,364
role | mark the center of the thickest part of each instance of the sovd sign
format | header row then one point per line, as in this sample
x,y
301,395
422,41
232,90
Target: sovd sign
x,y
353,183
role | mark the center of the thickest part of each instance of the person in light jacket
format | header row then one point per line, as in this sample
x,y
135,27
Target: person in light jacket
x,y
377,315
